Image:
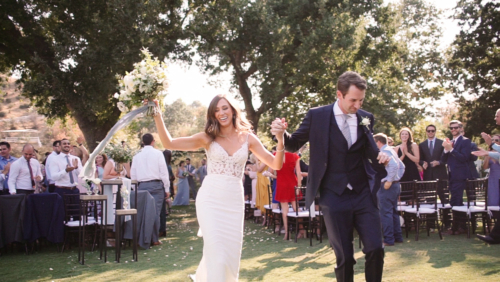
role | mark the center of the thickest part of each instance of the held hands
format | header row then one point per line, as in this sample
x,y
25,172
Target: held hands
x,y
434,163
278,127
38,178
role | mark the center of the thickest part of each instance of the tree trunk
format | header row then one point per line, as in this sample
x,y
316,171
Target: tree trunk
x,y
93,132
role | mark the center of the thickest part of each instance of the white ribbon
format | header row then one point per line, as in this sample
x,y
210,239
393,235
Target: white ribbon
x,y
127,184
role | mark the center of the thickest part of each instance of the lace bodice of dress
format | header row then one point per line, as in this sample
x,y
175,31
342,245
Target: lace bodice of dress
x,y
220,162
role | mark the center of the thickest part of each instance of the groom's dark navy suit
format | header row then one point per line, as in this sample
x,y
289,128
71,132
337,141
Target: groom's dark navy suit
x,y
332,167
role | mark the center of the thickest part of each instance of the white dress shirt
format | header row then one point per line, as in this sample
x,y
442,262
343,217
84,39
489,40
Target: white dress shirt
x,y
149,164
20,176
352,122
58,170
47,164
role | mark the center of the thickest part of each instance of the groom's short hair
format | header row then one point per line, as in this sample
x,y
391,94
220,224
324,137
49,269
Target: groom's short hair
x,y
147,139
380,137
349,78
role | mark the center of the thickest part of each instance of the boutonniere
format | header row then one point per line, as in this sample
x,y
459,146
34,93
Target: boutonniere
x,y
365,121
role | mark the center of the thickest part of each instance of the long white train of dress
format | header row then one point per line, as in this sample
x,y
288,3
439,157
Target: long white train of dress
x,y
220,211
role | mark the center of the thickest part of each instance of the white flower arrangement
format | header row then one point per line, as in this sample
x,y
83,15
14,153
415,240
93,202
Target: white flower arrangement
x,y
119,153
124,193
89,183
365,121
148,81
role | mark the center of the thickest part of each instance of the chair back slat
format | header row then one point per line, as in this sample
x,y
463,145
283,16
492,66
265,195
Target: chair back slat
x,y
426,193
300,199
406,194
443,192
477,191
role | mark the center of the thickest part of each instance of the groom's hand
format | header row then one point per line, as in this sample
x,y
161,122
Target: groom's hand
x,y
278,127
383,158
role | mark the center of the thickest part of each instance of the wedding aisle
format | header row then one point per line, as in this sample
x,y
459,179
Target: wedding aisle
x,y
265,257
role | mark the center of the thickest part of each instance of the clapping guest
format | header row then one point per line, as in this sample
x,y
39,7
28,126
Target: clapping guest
x,y
64,170
182,196
100,163
409,154
493,176
25,172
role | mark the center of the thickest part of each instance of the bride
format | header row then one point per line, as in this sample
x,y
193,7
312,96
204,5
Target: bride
x,y
227,139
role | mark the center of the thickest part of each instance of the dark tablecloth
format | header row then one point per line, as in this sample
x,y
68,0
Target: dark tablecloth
x,y
146,222
44,218
11,219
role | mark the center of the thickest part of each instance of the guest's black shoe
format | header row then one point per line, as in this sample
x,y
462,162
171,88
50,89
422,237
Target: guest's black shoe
x,y
487,239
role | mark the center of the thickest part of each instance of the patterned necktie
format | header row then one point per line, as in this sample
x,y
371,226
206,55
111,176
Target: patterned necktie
x,y
431,146
31,174
71,172
346,131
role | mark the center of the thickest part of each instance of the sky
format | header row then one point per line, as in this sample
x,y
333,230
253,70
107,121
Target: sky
x,y
190,84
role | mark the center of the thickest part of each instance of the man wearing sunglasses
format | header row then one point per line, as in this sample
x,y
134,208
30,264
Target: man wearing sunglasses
x,y
456,155
430,156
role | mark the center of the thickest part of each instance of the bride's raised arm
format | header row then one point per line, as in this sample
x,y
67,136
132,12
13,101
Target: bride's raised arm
x,y
191,143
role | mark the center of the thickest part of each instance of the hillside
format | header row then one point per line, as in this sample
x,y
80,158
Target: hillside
x,y
16,113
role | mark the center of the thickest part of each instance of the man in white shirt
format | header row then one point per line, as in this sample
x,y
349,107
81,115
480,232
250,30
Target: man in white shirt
x,y
64,169
56,146
24,173
150,170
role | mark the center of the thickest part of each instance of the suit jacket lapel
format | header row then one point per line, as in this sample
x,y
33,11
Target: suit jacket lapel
x,y
361,129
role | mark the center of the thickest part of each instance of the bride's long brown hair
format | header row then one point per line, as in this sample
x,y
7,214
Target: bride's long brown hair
x,y
212,127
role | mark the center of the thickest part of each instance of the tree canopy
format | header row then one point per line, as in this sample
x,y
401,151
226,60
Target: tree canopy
x,y
285,57
475,64
69,52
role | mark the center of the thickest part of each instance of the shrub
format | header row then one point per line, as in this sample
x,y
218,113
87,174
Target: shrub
x,y
25,106
7,101
2,114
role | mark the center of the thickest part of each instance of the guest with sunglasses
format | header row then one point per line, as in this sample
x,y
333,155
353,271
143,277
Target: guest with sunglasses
x,y
430,156
456,155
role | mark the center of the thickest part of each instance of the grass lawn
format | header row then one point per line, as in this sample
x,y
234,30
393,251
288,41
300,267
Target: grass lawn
x,y
265,257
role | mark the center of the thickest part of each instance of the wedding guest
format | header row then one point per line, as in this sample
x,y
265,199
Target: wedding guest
x,y
262,189
64,170
167,154
5,161
190,178
289,176
494,176
390,142
56,149
150,170
430,156
409,154
456,155
100,163
182,196
388,196
247,182
202,171
253,175
24,173
80,151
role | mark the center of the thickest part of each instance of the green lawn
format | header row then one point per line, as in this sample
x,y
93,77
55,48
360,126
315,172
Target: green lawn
x,y
265,257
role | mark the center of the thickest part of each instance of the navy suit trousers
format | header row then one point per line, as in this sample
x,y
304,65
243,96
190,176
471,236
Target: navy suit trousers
x,y
344,213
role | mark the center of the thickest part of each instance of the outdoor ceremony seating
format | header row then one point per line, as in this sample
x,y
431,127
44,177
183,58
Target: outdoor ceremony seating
x,y
91,205
423,209
269,207
301,216
476,208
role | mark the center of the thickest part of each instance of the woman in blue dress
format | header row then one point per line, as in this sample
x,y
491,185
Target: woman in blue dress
x,y
182,196
493,177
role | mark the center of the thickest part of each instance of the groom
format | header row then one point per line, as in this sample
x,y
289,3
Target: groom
x,y
345,170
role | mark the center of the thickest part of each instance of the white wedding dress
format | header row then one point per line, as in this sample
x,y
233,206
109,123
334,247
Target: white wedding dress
x,y
220,210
